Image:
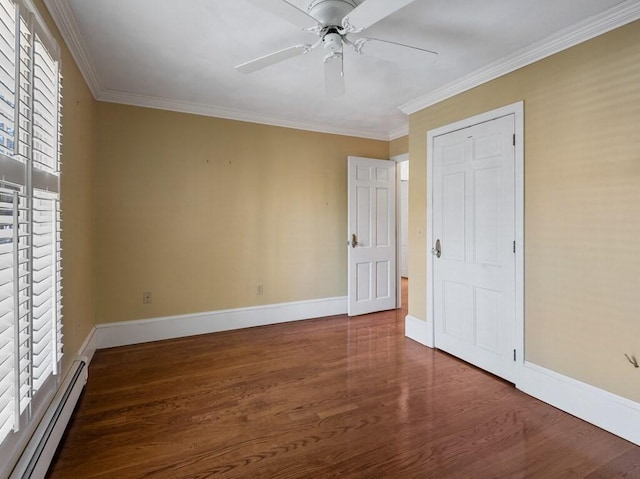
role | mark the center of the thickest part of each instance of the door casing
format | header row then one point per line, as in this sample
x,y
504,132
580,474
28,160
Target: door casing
x,y
516,109
399,159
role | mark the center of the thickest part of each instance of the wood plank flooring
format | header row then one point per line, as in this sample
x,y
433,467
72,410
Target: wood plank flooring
x,y
333,397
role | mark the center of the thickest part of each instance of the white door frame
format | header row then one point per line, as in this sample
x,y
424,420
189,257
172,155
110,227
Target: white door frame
x,y
516,109
399,159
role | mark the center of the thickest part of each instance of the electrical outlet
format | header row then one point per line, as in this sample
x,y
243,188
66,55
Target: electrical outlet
x,y
146,297
259,289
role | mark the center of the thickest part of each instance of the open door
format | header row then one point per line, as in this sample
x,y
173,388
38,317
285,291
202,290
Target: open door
x,y
372,235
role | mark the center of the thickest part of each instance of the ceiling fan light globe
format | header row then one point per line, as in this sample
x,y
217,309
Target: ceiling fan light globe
x,y
332,42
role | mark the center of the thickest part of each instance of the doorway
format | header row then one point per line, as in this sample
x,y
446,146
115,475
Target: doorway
x,y
402,215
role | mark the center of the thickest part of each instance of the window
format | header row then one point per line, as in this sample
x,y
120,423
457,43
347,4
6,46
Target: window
x,y
30,243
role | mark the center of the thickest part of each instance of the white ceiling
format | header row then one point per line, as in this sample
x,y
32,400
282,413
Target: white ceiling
x,y
180,55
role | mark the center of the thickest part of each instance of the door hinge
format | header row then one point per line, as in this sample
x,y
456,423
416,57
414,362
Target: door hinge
x,y
514,247
514,139
514,354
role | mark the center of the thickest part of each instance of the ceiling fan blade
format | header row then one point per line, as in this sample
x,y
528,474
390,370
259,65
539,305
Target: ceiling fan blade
x,y
370,12
273,58
333,75
394,52
289,12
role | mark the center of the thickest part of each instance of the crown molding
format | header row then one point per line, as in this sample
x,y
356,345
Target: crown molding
x,y
618,16
398,132
148,101
68,26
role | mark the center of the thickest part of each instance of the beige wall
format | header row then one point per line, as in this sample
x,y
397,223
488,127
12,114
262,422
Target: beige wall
x,y
582,205
77,180
399,146
201,210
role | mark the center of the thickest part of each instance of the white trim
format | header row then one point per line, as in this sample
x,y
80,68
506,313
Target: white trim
x,y
148,101
399,159
402,157
88,348
429,239
517,110
399,133
617,16
417,330
67,24
156,329
608,411
519,226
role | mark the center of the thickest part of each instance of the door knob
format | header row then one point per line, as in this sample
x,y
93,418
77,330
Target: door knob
x,y
354,240
437,251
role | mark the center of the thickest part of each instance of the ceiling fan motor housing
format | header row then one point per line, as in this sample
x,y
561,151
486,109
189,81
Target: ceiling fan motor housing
x,y
331,12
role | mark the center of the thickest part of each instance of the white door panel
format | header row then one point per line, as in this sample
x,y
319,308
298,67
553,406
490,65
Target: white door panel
x,y
474,219
372,225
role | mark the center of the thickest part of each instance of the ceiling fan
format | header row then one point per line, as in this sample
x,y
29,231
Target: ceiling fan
x,y
334,21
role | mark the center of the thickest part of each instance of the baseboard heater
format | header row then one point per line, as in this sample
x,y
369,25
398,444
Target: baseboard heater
x,y
36,458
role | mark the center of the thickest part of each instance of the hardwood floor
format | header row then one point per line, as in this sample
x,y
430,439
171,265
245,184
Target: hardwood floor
x,y
333,397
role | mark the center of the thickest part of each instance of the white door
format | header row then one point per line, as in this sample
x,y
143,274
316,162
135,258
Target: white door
x,y
372,235
474,234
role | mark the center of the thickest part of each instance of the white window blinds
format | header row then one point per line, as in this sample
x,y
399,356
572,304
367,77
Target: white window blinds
x,y
46,289
45,109
30,221
7,306
7,76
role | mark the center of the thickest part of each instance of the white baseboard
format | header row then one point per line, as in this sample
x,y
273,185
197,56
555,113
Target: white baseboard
x,y
608,411
88,348
156,329
417,330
